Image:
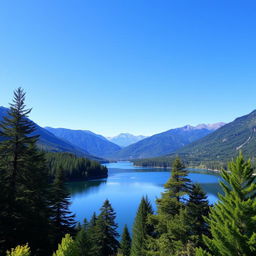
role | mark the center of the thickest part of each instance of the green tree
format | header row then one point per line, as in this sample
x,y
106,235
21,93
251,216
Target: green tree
x,y
24,201
141,228
171,229
83,240
105,241
125,244
232,220
62,219
175,189
67,247
197,210
19,251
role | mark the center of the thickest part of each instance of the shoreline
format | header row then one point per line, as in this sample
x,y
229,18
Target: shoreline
x,y
189,168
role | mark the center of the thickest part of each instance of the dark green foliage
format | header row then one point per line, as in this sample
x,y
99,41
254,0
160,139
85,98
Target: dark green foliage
x,y
75,168
171,227
232,220
197,210
125,244
62,219
105,236
175,190
83,240
141,228
24,198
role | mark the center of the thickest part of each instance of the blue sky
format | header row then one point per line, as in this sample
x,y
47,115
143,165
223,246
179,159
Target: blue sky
x,y
138,66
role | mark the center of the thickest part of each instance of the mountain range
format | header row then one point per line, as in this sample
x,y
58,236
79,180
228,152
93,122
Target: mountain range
x,y
93,143
217,148
125,139
50,142
166,142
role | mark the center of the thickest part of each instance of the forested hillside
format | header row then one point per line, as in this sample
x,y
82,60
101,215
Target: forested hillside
x,y
75,168
48,141
93,143
165,143
215,149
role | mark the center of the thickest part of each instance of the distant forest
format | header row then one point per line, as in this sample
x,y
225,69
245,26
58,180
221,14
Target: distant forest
x,y
75,168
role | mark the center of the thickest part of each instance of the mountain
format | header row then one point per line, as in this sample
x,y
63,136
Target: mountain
x,y
166,142
95,144
219,147
126,139
50,142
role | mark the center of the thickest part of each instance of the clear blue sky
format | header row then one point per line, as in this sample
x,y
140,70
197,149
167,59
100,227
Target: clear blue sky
x,y
138,66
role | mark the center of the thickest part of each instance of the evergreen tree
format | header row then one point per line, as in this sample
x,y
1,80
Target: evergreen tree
x,y
24,201
67,247
232,220
197,210
19,251
171,230
105,241
83,240
141,228
62,219
125,244
175,189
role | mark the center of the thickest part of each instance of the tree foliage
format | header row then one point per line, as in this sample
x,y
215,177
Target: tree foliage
x,y
19,251
67,247
141,228
25,195
105,236
232,220
125,244
62,219
74,167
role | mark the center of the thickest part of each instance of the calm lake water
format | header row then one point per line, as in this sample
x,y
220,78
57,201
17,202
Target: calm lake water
x,y
124,188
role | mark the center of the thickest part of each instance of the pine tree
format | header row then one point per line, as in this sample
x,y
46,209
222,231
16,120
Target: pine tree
x,y
67,247
197,210
24,201
125,244
175,189
19,251
83,240
171,230
105,241
62,219
141,228
232,220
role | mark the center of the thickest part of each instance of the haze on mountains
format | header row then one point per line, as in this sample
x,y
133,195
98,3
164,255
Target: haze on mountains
x,y
165,142
126,139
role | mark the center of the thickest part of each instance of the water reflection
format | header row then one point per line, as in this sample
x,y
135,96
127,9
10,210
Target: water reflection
x,y
82,187
124,188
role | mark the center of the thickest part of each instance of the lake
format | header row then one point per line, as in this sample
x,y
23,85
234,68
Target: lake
x,y
125,187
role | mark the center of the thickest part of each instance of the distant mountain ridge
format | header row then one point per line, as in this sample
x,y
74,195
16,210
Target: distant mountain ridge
x,y
126,139
166,142
50,142
95,144
217,148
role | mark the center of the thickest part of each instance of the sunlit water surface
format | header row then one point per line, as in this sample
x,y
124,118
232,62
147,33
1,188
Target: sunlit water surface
x,y
125,186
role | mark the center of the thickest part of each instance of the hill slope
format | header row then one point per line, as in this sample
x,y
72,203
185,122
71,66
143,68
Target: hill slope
x,y
218,147
166,142
50,142
126,139
95,144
